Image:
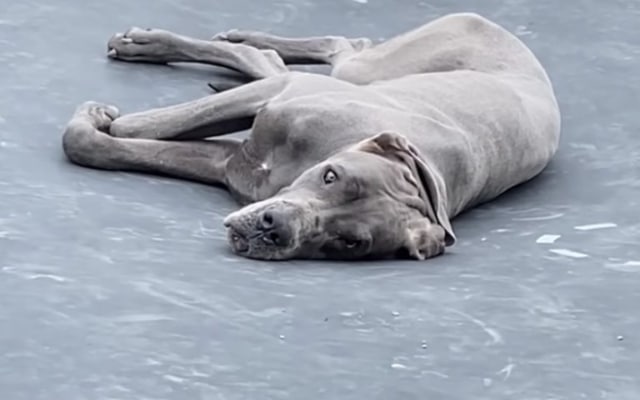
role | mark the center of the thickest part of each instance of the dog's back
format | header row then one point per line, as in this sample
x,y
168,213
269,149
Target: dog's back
x,y
461,41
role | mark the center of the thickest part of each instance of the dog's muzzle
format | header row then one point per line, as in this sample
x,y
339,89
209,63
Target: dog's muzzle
x,y
264,230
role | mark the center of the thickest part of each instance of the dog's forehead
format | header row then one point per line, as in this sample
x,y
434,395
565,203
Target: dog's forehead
x,y
361,163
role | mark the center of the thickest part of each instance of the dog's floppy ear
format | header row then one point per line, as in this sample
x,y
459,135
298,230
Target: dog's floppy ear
x,y
432,187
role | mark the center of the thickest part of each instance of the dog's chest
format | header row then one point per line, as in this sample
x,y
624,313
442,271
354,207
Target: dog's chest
x,y
285,141
312,127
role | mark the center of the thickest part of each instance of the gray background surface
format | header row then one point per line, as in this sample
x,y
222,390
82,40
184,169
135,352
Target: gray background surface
x,y
120,286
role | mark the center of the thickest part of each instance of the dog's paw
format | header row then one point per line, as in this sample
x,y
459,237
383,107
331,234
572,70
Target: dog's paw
x,y
98,115
86,140
147,45
233,36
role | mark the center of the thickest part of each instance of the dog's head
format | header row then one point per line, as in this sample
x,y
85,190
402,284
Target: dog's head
x,y
377,199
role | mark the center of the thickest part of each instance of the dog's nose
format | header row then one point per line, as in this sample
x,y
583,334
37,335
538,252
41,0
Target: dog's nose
x,y
267,221
275,228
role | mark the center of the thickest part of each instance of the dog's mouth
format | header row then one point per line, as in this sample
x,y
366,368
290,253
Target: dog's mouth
x,y
242,244
260,236
239,243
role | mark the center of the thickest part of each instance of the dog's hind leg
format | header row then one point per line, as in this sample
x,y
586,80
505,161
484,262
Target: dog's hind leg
x,y
163,47
87,143
311,50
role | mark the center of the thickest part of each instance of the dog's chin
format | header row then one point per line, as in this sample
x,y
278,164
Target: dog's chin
x,y
254,249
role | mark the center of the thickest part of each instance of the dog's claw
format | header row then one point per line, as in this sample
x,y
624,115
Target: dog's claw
x,y
113,53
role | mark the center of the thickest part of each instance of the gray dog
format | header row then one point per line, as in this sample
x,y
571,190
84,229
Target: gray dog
x,y
370,162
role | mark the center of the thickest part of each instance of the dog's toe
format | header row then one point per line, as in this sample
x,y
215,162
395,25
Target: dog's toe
x,y
97,114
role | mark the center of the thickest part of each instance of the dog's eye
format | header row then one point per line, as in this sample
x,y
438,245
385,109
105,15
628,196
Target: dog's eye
x,y
329,177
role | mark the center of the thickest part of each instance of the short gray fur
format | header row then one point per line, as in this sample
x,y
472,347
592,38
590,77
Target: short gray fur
x,y
373,161
121,286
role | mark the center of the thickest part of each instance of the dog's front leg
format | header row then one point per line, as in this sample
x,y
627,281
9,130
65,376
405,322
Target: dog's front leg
x,y
227,112
87,143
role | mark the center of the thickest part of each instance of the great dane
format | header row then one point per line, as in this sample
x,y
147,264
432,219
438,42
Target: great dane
x,y
373,161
